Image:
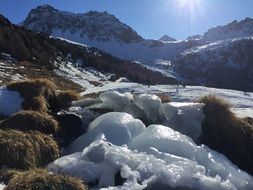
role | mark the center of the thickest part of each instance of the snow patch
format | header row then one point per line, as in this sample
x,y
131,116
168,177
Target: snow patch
x,y
10,101
2,186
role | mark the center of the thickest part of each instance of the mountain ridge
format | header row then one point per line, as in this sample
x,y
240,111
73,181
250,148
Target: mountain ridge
x,y
151,53
93,23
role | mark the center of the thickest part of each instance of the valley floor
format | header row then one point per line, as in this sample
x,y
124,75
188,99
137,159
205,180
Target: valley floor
x,y
242,103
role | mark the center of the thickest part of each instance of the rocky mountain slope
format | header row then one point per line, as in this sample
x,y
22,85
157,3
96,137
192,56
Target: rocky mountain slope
x,y
53,53
224,64
100,30
234,29
99,26
222,48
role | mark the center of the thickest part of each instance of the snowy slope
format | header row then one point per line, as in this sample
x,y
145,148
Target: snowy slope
x,y
234,29
103,31
223,63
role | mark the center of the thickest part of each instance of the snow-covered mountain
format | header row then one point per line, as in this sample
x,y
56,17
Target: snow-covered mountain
x,y
99,26
103,31
214,49
234,29
224,63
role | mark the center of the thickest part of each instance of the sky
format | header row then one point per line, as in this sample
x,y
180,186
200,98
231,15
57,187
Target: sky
x,y
149,18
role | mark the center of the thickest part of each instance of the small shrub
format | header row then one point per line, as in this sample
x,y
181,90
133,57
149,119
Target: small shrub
x,y
226,133
40,179
31,120
36,104
26,150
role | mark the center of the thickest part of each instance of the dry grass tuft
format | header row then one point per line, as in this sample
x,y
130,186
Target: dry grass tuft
x,y
226,133
34,87
36,104
66,97
40,179
33,90
164,97
216,103
7,174
26,150
31,120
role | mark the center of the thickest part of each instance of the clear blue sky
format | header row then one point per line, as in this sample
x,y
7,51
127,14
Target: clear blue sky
x,y
150,18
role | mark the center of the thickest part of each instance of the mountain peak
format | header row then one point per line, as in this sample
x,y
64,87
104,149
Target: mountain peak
x,y
4,21
166,38
235,29
94,25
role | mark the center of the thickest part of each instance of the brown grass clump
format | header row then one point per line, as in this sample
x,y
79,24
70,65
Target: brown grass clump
x,y
164,97
36,104
66,97
226,133
33,90
34,87
31,120
40,179
26,150
7,174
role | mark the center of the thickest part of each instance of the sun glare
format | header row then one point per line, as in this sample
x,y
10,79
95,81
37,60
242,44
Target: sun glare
x,y
189,3
189,8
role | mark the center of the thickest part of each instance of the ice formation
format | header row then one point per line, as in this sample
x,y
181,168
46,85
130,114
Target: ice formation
x,y
117,128
183,117
157,157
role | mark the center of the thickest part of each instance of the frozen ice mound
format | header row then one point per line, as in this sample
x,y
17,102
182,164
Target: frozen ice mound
x,y
164,139
10,101
115,100
115,127
157,157
150,104
184,117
